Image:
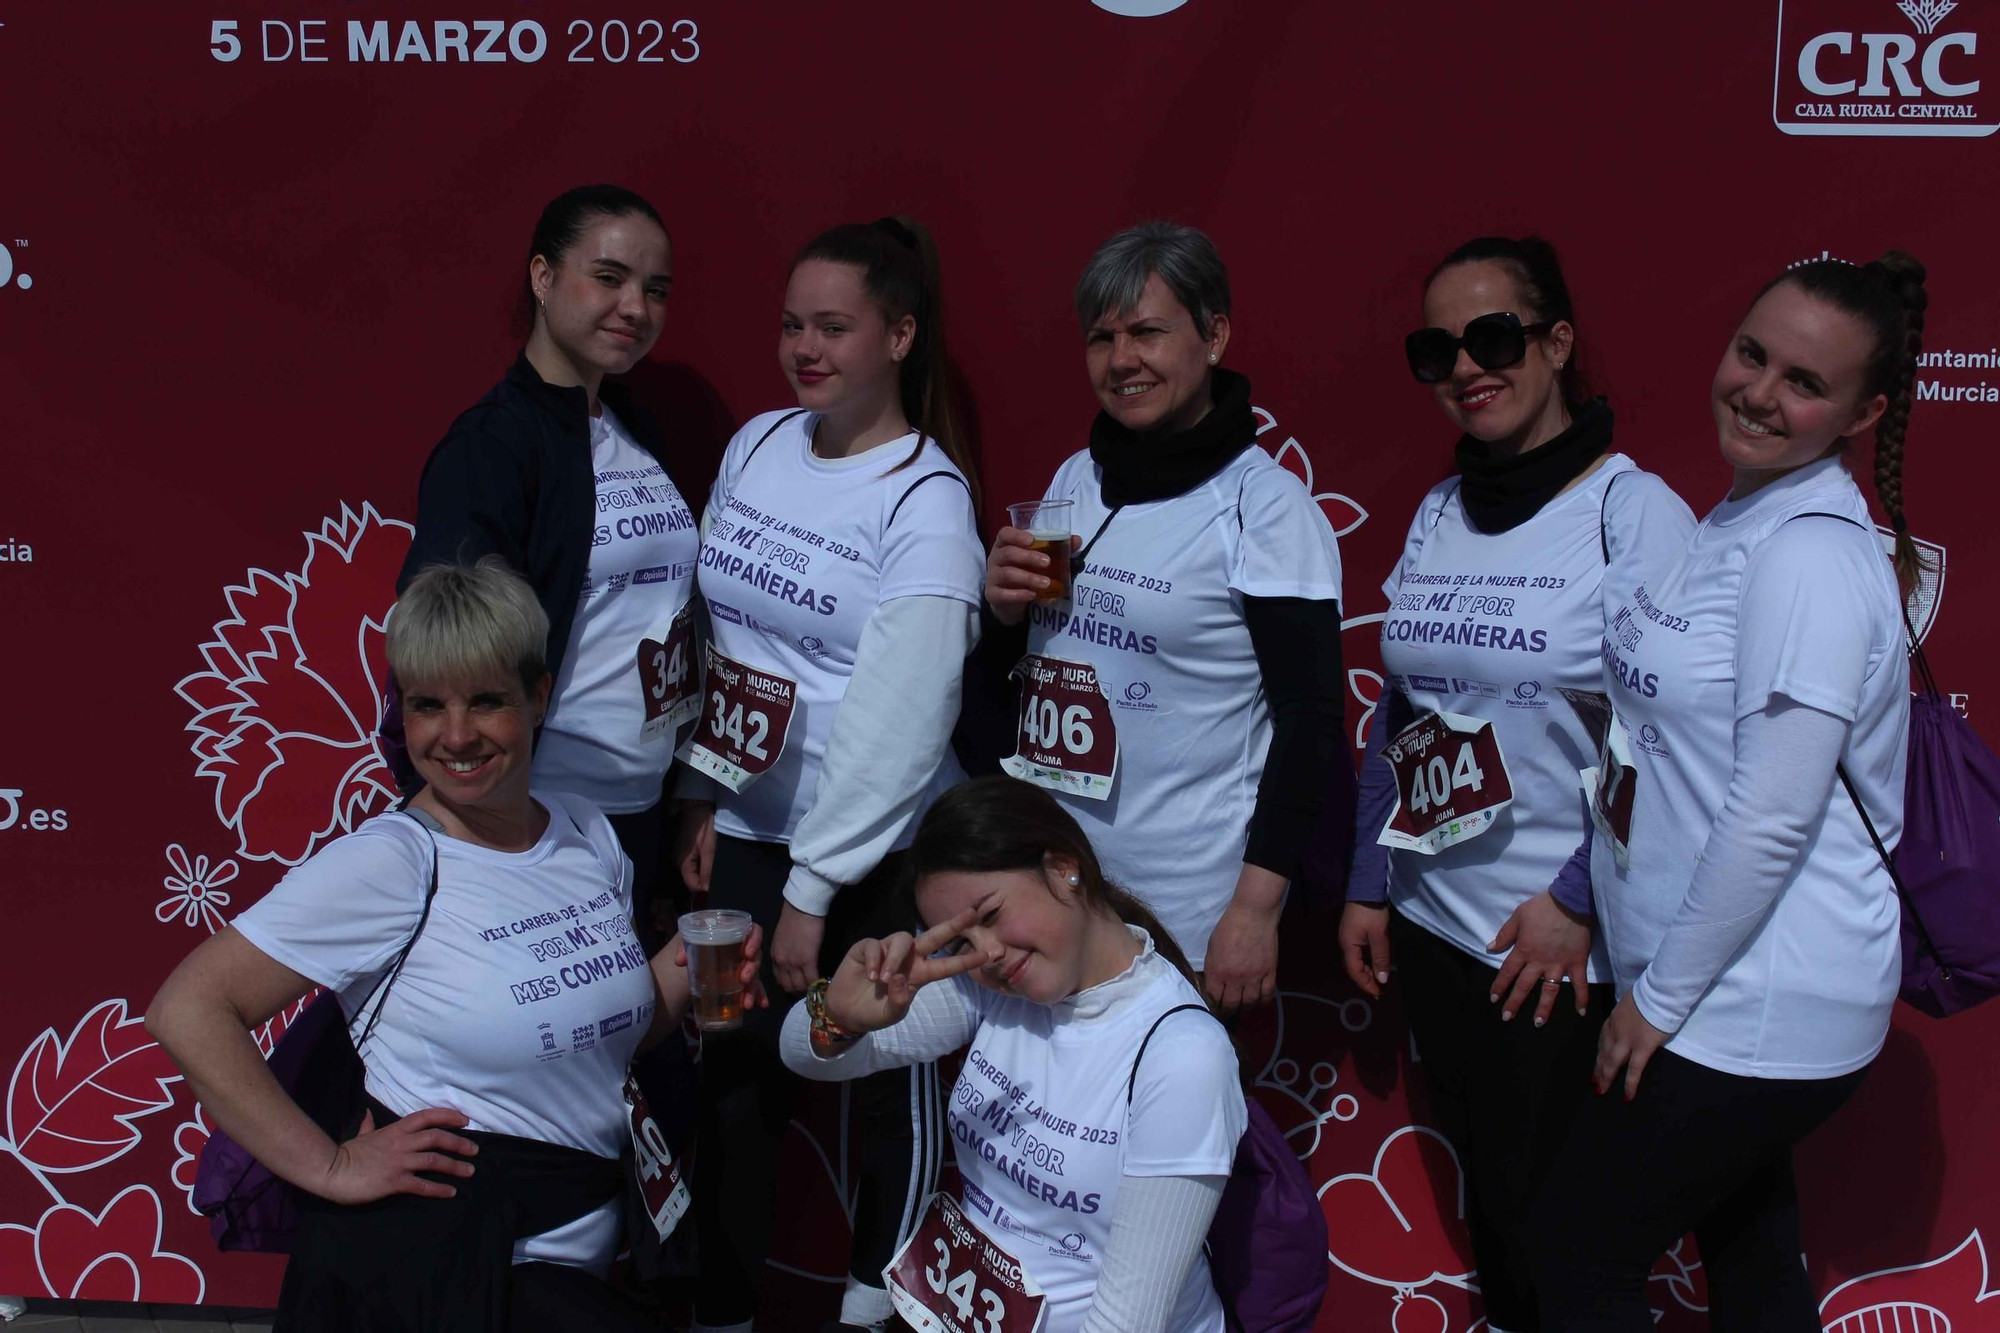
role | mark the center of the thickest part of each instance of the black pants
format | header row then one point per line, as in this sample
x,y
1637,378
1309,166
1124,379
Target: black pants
x,y
644,835
1504,1093
748,1096
1696,1150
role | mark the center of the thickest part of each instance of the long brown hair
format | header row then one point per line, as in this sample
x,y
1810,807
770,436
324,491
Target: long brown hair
x,y
1887,295
899,271
999,823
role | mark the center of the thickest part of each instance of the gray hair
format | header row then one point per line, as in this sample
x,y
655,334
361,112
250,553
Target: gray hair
x,y
1185,259
459,623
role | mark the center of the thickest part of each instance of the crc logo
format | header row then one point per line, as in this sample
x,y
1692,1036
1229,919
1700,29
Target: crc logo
x,y
1847,67
9,269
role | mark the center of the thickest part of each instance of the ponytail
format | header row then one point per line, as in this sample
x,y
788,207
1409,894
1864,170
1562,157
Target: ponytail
x,y
1887,295
999,823
899,271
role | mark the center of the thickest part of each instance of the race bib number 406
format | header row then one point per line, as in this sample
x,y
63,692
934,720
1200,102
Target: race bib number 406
x,y
745,717
1451,782
1066,740
950,1277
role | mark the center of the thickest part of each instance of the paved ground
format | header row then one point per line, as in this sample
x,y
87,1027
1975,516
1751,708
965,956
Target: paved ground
x,y
109,1317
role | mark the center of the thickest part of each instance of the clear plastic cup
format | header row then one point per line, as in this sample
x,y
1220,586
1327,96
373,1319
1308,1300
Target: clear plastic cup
x,y
1047,523
714,940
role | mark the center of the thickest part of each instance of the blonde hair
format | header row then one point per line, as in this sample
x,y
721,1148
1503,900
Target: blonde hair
x,y
459,623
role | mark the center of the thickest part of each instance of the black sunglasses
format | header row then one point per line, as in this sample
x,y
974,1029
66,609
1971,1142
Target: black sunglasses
x,y
1494,342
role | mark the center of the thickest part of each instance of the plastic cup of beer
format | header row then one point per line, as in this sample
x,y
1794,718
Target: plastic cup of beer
x,y
1047,523
714,940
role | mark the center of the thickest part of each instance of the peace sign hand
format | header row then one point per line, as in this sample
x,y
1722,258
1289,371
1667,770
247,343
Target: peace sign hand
x,y
878,981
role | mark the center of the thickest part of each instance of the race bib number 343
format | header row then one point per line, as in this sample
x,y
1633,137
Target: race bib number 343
x,y
745,716
950,1277
1451,782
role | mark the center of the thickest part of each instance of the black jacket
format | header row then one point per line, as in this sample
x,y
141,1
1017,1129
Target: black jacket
x,y
512,477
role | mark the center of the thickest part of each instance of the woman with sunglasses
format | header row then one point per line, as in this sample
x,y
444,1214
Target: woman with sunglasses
x,y
1182,689
1472,841
1752,927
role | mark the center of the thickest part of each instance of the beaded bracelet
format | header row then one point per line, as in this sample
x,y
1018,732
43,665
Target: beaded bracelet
x,y
824,1030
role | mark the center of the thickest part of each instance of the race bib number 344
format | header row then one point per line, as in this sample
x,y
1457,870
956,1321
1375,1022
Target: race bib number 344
x,y
1451,783
950,1277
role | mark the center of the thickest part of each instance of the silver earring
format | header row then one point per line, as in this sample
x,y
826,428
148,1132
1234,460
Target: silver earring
x,y
1075,881
1213,358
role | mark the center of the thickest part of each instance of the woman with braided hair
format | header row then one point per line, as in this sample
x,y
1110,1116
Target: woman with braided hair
x,y
1752,928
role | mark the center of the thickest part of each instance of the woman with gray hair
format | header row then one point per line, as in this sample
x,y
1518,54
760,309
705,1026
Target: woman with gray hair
x,y
1182,688
484,930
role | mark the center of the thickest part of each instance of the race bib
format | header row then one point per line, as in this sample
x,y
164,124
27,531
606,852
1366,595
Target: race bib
x,y
1451,783
950,1277
669,686
660,1183
1065,739
1610,788
745,716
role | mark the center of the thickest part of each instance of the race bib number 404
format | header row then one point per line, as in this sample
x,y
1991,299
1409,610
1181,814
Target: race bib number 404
x,y
950,1277
1065,740
745,717
1451,783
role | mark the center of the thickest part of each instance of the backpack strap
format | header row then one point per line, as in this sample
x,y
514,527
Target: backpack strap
x,y
1924,943
795,412
1604,515
380,995
928,476
1132,1080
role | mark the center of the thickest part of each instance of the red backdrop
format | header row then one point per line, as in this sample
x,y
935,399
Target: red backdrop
x,y
254,258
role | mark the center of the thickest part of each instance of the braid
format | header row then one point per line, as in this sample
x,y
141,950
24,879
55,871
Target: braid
x,y
1905,276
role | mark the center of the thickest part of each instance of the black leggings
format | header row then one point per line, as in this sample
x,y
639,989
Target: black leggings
x,y
1696,1150
1504,1093
748,1096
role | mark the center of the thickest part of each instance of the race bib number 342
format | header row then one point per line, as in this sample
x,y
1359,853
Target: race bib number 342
x,y
745,716
1451,783
950,1277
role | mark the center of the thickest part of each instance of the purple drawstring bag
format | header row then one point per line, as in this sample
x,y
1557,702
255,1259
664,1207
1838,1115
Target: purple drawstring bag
x,y
1267,1242
247,1207
1945,865
317,1063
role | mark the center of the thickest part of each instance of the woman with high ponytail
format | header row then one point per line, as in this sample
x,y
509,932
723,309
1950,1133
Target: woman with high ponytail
x,y
840,567
1761,692
1095,1171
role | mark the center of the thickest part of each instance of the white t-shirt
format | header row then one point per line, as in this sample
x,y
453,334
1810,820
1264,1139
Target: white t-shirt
x,y
1042,1132
642,553
797,554
1809,993
1493,626
520,1005
1159,614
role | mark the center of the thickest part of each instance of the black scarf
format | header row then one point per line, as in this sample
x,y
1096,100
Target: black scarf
x,y
1504,493
1160,465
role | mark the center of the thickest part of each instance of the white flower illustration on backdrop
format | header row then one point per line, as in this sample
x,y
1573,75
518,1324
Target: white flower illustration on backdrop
x,y
194,889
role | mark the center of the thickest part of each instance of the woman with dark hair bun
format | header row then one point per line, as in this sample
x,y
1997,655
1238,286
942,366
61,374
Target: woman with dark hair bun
x,y
1751,925
560,474
1098,1181
840,568
1472,842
